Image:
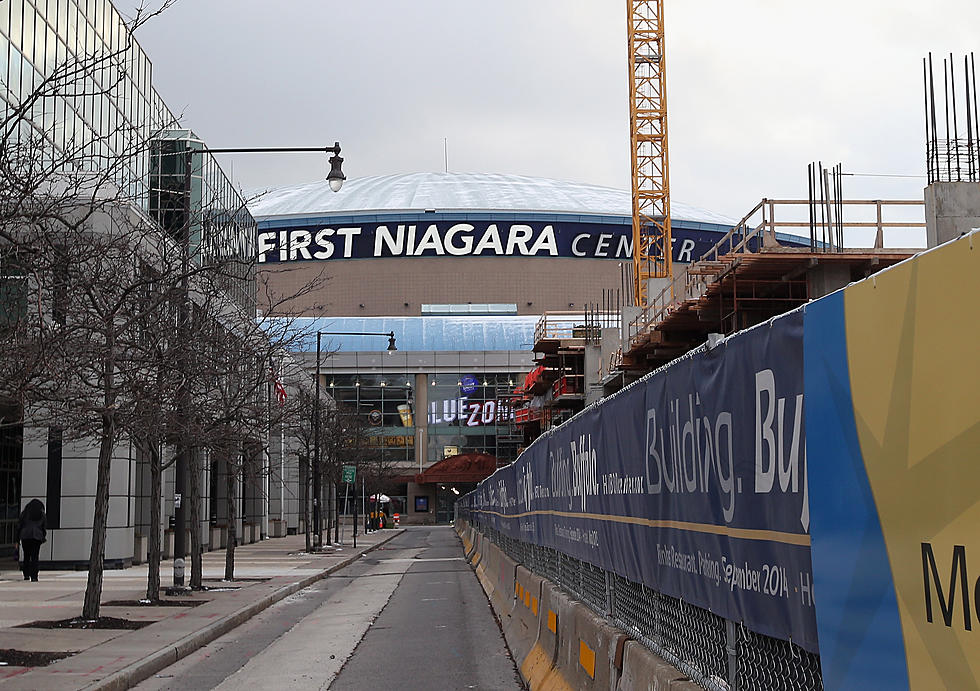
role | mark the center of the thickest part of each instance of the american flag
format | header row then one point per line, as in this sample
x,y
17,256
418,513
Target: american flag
x,y
278,385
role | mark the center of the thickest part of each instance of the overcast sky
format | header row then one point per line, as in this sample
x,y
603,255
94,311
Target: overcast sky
x,y
756,88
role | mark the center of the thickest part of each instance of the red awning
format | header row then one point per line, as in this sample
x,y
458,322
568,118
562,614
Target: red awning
x,y
466,467
532,377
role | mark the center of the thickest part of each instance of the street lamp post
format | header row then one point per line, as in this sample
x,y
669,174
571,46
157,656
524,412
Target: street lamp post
x,y
316,420
335,178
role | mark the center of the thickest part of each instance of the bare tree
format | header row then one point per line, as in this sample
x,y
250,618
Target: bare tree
x,y
84,268
302,428
230,379
99,359
111,330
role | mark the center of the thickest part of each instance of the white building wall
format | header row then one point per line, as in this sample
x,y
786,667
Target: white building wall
x,y
71,542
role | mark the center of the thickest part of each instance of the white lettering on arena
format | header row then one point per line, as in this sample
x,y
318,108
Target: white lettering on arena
x,y
686,248
467,240
545,241
267,243
326,246
299,244
459,239
519,236
490,240
348,234
430,241
383,235
601,249
409,248
625,248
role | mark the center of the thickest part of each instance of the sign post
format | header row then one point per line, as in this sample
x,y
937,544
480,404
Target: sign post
x,y
348,473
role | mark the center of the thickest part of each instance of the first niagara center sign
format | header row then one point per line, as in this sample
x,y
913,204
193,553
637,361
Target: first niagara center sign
x,y
463,239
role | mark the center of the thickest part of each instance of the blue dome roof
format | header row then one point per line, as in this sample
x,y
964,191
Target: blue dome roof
x,y
457,192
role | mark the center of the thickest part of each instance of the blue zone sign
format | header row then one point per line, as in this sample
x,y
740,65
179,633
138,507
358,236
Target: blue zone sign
x,y
468,239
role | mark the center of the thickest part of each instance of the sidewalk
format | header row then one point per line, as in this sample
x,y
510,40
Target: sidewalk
x,y
118,659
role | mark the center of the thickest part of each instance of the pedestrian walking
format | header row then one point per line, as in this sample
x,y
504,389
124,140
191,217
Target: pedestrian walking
x,y
33,531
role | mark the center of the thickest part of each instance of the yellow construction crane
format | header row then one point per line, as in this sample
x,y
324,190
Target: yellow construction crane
x,y
648,138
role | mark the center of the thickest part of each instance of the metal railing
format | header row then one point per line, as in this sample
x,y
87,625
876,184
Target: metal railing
x,y
716,653
861,223
586,324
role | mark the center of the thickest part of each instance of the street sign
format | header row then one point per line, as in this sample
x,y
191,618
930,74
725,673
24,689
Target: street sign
x,y
348,474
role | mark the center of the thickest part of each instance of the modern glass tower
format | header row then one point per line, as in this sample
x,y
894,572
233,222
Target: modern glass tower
x,y
79,107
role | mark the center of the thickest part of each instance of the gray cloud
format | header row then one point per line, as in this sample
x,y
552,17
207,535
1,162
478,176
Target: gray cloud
x,y
757,88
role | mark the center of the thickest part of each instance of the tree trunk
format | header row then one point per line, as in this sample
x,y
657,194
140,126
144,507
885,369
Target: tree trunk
x,y
305,510
93,588
232,521
194,496
336,512
329,513
153,546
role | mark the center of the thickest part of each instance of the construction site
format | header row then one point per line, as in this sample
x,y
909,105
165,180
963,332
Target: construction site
x,y
819,363
662,311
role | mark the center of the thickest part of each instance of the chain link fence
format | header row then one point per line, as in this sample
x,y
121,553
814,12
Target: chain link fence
x,y
717,654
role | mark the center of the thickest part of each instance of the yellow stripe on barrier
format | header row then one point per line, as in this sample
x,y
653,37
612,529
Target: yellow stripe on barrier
x,y
586,658
552,621
527,598
708,528
534,606
541,675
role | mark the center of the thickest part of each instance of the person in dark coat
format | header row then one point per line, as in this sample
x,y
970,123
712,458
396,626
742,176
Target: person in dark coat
x,y
33,531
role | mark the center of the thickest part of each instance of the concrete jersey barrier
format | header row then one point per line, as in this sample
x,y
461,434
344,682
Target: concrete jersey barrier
x,y
558,642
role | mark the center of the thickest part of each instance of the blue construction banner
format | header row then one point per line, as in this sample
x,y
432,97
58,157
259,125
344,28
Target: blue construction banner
x,y
691,481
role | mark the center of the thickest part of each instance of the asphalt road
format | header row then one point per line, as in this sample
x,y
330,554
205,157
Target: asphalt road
x,y
410,615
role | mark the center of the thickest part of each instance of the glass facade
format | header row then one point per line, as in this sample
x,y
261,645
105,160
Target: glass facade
x,y
77,94
471,412
11,452
222,231
389,411
79,108
82,86
464,413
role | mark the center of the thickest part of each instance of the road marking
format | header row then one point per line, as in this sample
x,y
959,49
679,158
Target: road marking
x,y
423,560
311,654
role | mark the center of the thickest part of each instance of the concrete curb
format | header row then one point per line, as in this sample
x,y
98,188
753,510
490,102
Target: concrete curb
x,y
583,650
144,668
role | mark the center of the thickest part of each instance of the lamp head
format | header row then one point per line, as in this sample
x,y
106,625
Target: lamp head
x,y
391,342
336,176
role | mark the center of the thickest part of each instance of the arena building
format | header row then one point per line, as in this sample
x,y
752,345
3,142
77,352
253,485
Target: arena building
x,y
460,268
452,238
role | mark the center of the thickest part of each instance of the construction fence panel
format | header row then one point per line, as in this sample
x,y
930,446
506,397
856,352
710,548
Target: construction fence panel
x,y
717,654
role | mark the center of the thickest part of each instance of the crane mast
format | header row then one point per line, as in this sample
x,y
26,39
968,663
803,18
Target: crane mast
x,y
648,139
